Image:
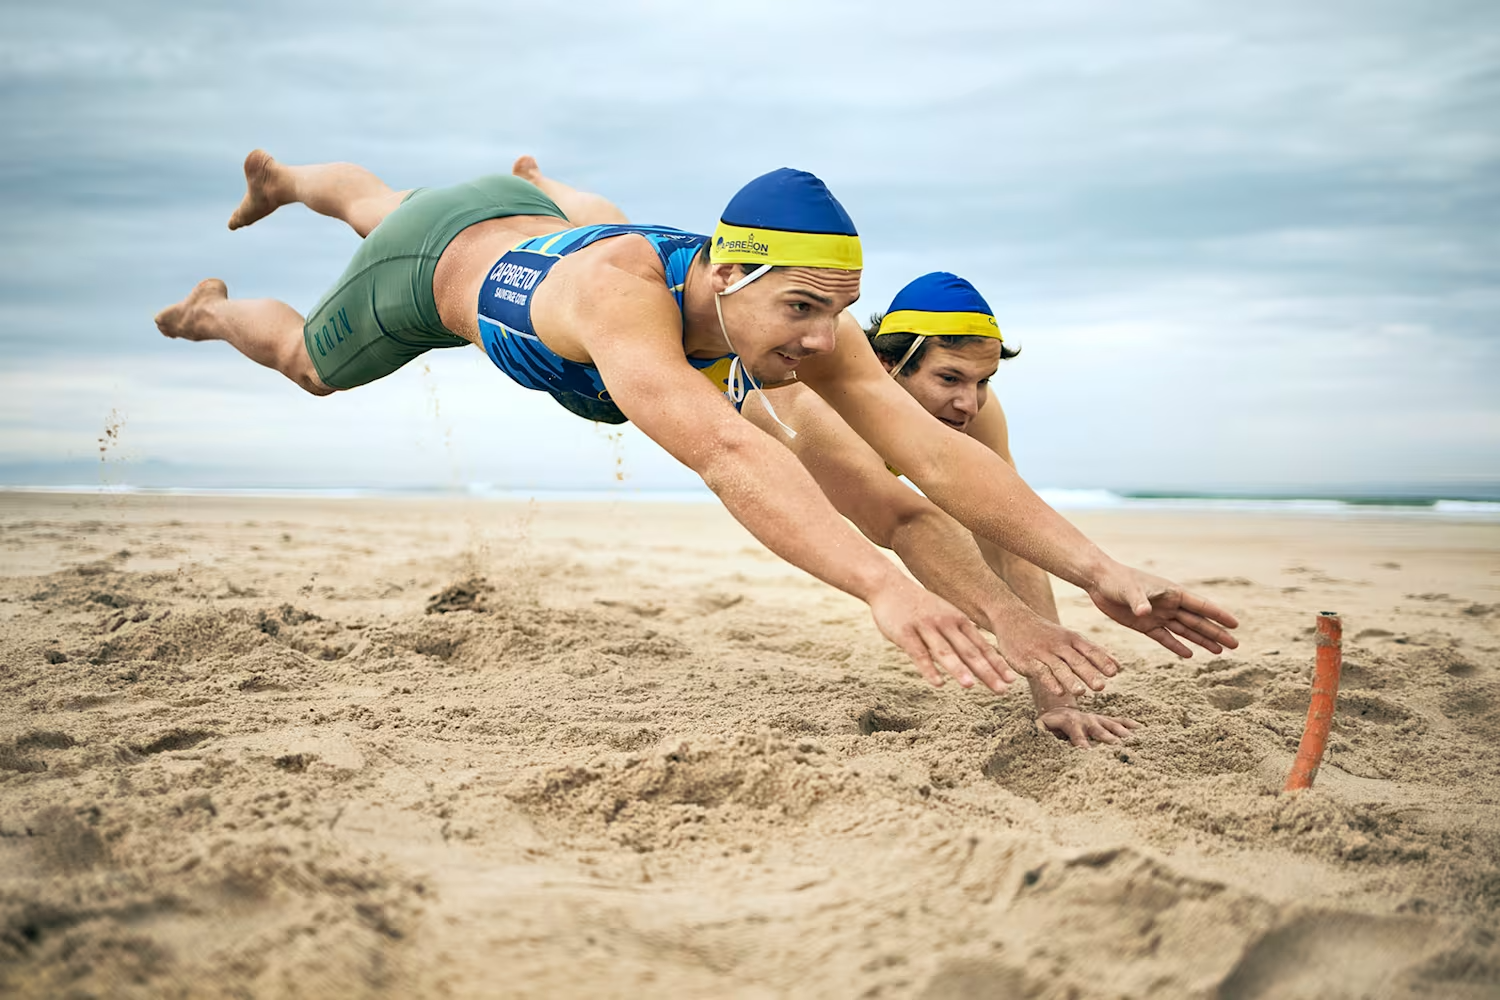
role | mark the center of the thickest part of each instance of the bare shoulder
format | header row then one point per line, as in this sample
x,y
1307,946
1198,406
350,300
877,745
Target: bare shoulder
x,y
627,254
591,295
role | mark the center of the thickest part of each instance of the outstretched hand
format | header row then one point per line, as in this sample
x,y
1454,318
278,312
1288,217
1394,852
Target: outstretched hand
x,y
1077,726
1060,660
936,635
1164,611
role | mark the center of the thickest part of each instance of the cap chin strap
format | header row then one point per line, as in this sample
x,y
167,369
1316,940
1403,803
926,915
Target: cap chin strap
x,y
749,277
916,343
740,380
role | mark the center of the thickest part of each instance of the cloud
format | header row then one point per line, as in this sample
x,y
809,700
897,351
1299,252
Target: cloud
x,y
1178,208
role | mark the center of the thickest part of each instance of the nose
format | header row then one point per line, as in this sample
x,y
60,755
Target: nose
x,y
820,339
966,401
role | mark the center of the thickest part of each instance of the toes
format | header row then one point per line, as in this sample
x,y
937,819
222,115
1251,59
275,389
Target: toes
x,y
526,168
164,321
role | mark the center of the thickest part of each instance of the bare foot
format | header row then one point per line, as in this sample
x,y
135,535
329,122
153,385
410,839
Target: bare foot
x,y
186,320
525,168
262,190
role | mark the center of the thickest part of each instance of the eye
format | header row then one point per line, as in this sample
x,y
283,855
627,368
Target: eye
x,y
984,381
801,307
948,379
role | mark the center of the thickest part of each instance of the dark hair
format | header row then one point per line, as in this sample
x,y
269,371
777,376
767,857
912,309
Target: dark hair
x,y
891,347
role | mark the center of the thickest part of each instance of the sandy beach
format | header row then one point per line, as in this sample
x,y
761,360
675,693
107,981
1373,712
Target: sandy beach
x,y
463,748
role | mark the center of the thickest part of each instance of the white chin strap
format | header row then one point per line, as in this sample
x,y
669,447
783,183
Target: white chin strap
x,y
740,379
916,343
749,277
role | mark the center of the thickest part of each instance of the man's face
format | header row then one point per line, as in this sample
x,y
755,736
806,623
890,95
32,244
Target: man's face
x,y
953,382
784,316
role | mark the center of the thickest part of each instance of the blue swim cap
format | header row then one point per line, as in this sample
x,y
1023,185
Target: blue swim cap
x,y
787,218
940,304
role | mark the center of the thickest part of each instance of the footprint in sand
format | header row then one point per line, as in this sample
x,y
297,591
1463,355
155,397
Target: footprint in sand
x,y
880,719
1228,690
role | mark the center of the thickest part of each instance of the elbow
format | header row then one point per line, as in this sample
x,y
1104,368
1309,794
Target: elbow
x,y
901,522
725,462
876,525
878,516
936,468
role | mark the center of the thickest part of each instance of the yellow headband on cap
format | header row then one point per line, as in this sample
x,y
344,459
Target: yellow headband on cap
x,y
940,324
779,248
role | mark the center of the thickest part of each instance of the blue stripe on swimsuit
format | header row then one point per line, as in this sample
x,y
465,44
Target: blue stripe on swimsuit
x,y
505,309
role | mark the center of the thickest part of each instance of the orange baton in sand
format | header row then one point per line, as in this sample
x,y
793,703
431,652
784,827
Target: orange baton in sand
x,y
1325,688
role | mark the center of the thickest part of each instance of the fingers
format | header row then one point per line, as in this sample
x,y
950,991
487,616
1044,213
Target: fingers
x,y
1194,637
1068,682
1041,672
1170,641
1095,727
1139,600
1064,724
914,647
1211,630
995,672
1082,669
1077,726
945,656
1208,609
1100,657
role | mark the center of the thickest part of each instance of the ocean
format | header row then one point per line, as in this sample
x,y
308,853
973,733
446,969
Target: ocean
x,y
1393,503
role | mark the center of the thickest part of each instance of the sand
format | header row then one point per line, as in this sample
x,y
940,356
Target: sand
x,y
409,748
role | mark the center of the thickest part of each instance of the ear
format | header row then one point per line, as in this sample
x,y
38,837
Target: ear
x,y
721,276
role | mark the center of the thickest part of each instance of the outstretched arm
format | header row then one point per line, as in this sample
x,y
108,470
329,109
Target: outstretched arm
x,y
631,329
1058,714
937,549
983,493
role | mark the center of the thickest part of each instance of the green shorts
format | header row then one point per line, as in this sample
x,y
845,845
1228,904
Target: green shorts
x,y
382,313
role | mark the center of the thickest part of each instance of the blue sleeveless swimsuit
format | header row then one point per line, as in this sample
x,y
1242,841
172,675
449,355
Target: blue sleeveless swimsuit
x,y
512,344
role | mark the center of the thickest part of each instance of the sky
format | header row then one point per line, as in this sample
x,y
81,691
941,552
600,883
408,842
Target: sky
x,y
1246,248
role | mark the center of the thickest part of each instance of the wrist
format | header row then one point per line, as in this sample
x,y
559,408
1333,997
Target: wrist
x,y
1006,609
1046,701
1093,568
874,577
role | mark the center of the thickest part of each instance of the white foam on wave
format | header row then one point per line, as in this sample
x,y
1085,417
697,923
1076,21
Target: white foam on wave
x,y
1315,506
1081,499
1468,508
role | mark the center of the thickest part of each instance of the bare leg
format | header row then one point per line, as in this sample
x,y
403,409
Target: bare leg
x,y
266,331
581,208
341,191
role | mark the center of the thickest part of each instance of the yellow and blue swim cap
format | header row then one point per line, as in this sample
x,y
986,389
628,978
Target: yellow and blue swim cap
x,y
787,218
940,305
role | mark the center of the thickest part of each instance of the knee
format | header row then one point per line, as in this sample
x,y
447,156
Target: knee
x,y
307,378
297,366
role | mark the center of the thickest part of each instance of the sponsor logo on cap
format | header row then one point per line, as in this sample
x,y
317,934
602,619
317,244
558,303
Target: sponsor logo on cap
x,y
746,245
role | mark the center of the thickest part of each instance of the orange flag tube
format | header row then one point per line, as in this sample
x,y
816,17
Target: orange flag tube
x,y
1325,688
